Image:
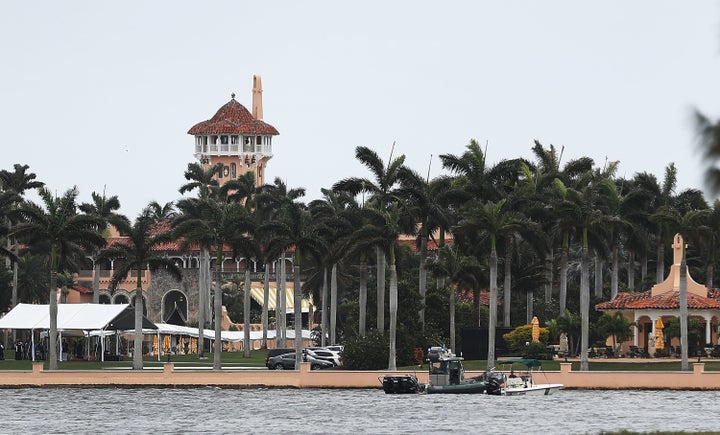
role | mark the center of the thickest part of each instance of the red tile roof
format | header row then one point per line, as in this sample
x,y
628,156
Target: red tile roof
x,y
665,301
233,118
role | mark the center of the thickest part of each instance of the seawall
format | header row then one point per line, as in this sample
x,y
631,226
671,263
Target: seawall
x,y
169,376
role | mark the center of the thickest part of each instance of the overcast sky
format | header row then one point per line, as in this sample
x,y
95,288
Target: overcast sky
x,y
101,94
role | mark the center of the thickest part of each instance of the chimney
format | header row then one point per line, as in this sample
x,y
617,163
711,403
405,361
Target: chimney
x,y
257,110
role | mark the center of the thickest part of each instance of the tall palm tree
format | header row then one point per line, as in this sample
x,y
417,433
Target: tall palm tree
x,y
495,222
273,202
105,209
427,203
58,226
205,181
161,212
16,182
383,191
295,229
460,272
141,249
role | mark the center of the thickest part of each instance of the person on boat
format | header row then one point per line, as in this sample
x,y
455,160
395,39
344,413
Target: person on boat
x,y
512,373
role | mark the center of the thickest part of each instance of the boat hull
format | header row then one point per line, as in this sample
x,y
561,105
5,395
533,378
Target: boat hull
x,y
474,388
401,384
534,390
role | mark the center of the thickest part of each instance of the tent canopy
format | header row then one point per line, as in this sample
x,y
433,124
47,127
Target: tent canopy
x,y
257,293
73,317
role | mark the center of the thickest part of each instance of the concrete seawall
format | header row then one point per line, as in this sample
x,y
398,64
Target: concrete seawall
x,y
169,376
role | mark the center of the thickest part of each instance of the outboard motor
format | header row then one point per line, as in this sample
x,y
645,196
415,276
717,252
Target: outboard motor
x,y
493,384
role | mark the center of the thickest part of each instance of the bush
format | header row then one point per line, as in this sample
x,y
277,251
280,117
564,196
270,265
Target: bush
x,y
537,350
366,353
518,337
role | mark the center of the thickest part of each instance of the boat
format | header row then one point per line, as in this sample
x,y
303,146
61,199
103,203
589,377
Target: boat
x,y
446,375
524,384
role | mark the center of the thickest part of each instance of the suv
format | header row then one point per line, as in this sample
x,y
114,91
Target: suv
x,y
286,361
325,354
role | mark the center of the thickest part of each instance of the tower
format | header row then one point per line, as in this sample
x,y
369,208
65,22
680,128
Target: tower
x,y
238,139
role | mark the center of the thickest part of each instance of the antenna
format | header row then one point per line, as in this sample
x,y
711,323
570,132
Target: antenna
x,y
428,174
391,152
562,150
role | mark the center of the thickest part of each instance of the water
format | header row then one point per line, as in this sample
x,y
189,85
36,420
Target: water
x,y
261,411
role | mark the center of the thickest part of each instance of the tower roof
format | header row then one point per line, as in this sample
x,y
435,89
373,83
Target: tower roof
x,y
233,118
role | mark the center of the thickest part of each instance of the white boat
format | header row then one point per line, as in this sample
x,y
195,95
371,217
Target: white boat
x,y
523,384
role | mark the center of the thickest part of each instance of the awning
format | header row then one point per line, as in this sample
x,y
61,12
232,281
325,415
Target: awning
x,y
73,317
256,291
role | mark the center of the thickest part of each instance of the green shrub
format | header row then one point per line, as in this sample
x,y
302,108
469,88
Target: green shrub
x,y
537,350
366,353
518,337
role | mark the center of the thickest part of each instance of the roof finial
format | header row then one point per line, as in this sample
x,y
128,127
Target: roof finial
x,y
233,95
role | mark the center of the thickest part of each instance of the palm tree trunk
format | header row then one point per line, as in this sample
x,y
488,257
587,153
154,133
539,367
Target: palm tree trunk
x,y
563,280
643,266
507,289
615,277
324,313
683,316
280,306
529,307
96,281
246,314
333,304
297,300
708,277
138,349
266,296
392,363
549,276
422,278
452,319
584,307
202,293
53,364
631,271
660,266
380,289
362,317
598,276
493,309
217,305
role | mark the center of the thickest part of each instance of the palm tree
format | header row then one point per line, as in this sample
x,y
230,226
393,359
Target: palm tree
x,y
295,229
14,183
205,181
495,222
616,325
273,202
427,203
460,271
383,229
141,249
158,212
383,191
59,227
105,209
709,140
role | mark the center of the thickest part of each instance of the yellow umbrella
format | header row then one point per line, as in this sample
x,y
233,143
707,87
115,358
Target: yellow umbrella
x,y
659,340
166,344
155,343
535,329
193,345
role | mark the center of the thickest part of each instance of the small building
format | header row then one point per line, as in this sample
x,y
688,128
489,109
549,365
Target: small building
x,y
663,302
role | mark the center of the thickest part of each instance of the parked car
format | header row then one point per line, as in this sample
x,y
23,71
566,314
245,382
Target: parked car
x,y
286,361
325,354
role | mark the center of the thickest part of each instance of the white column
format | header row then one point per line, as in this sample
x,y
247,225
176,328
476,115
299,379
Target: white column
x,y
707,330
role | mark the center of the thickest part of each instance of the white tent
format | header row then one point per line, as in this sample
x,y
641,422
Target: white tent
x,y
72,317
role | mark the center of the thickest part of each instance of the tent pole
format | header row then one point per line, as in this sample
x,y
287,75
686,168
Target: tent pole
x,y
32,345
102,345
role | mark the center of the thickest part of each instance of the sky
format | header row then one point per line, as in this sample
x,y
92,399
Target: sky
x,y
100,95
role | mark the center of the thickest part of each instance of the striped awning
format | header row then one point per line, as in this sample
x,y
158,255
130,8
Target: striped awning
x,y
256,291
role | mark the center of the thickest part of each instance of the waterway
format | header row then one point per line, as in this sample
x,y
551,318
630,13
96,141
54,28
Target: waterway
x,y
324,411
